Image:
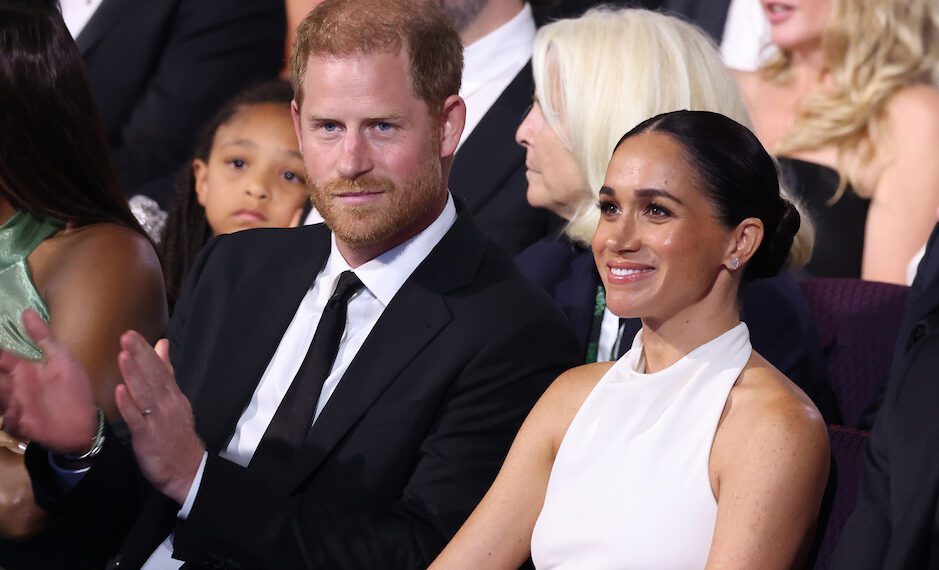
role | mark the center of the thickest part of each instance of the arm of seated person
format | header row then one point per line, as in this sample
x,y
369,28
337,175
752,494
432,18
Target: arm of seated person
x,y
906,192
498,533
97,282
769,466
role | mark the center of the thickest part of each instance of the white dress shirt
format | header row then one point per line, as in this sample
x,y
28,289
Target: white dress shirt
x,y
492,62
746,42
76,14
382,277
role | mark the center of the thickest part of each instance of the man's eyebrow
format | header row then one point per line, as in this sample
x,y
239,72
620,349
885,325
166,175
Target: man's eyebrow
x,y
657,193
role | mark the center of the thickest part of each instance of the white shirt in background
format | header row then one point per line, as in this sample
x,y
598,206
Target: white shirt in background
x,y
491,63
76,14
746,42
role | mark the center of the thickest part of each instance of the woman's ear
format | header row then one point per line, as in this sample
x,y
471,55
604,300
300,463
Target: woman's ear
x,y
200,175
746,239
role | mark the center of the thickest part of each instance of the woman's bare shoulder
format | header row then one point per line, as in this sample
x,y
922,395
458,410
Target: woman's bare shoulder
x,y
571,388
103,246
766,408
561,401
100,259
914,112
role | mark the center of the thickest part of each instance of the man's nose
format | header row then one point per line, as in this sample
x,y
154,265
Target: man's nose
x,y
355,159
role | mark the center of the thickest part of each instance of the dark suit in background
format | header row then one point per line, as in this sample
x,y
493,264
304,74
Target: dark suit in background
x,y
709,15
489,172
780,322
407,444
896,521
160,68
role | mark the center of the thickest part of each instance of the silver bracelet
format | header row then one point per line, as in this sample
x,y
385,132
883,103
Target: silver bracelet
x,y
96,444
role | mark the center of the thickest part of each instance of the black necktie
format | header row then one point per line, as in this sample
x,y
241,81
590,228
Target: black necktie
x,y
294,416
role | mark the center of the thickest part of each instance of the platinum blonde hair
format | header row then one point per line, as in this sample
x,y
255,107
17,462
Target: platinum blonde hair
x,y
872,49
600,75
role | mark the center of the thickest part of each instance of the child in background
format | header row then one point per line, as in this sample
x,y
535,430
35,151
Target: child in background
x,y
247,173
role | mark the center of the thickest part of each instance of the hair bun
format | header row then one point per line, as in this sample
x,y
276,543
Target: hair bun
x,y
777,243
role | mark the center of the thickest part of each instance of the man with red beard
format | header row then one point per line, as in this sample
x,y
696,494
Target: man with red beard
x,y
343,396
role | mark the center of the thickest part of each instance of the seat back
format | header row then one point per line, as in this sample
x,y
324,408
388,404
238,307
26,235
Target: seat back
x,y
847,453
858,322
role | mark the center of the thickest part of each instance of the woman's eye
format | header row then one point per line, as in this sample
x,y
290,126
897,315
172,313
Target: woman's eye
x,y
606,207
237,162
657,211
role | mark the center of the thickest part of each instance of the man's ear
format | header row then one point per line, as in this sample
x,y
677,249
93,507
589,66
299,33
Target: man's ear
x,y
452,120
200,175
295,115
746,239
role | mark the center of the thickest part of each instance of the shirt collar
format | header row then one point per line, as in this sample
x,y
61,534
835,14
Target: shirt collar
x,y
492,54
384,275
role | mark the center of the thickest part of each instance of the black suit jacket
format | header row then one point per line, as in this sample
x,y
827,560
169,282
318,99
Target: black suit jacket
x,y
160,68
896,521
407,444
489,172
780,322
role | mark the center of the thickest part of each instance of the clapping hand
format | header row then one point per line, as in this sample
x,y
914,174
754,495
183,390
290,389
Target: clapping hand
x,y
49,401
52,403
159,417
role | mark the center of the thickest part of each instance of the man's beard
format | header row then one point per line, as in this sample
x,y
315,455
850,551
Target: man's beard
x,y
360,225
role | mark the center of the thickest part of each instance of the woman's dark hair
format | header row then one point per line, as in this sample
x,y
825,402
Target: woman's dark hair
x,y
738,176
187,229
54,158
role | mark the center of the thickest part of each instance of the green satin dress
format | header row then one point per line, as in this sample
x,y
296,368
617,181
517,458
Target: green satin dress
x,y
19,236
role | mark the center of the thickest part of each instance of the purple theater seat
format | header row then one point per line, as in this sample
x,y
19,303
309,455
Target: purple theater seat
x,y
857,324
847,451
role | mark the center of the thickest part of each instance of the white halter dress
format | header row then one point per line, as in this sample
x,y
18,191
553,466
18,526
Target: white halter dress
x,y
630,487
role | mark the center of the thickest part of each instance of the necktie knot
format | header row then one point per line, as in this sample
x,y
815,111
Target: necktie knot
x,y
348,285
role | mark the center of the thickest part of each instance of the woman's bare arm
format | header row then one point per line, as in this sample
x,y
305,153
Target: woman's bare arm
x,y
98,282
906,192
498,532
769,466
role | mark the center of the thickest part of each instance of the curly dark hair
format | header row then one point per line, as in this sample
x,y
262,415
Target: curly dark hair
x,y
187,229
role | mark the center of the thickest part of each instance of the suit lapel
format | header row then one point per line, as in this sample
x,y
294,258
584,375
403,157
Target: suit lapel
x,y
261,308
577,290
109,12
490,155
414,317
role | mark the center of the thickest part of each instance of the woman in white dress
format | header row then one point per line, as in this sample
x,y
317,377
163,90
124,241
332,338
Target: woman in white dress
x,y
690,451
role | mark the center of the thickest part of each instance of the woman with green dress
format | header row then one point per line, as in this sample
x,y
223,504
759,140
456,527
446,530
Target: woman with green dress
x,y
70,249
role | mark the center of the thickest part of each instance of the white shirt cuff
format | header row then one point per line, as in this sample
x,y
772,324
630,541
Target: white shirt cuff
x,y
193,490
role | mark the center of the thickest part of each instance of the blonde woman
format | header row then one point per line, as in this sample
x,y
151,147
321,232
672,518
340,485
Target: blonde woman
x,y
849,101
593,80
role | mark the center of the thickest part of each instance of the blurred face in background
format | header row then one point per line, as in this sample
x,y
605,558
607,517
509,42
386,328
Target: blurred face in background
x,y
554,179
253,177
798,25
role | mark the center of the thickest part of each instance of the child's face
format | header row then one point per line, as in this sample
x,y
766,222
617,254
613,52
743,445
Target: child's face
x,y
254,175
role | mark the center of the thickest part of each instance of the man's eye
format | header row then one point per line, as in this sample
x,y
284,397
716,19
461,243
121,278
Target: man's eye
x,y
383,126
